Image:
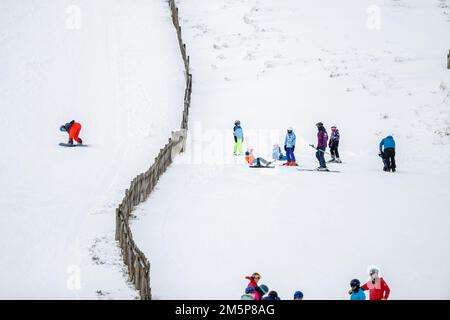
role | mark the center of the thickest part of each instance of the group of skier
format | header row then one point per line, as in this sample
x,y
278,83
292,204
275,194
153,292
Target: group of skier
x,y
376,286
255,291
387,149
289,147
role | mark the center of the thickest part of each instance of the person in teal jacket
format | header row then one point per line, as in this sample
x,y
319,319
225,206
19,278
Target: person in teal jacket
x,y
289,147
356,293
387,152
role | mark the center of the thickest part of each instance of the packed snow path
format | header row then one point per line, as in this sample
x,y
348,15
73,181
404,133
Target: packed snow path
x,y
370,68
115,67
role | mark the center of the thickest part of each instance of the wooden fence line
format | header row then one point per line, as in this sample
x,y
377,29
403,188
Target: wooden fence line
x,y
142,185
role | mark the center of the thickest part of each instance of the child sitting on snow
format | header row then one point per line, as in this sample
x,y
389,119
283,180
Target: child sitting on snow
x,y
256,162
277,154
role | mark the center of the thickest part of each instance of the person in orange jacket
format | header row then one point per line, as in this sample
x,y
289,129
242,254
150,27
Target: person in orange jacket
x,y
73,129
378,288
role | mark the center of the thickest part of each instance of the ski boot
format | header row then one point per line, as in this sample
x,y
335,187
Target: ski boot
x,y
338,160
323,169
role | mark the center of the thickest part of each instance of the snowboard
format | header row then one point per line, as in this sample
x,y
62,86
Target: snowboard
x,y
72,145
317,170
262,167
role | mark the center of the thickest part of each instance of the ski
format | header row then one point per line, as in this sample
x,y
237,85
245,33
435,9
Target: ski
x,y
299,169
334,161
262,167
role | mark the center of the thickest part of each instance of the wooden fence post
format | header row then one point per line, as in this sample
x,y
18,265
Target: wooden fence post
x,y
448,60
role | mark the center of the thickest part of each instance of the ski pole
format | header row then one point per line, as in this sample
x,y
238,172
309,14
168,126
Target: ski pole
x,y
312,146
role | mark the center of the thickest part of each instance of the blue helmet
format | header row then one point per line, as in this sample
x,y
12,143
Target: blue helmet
x,y
298,295
249,289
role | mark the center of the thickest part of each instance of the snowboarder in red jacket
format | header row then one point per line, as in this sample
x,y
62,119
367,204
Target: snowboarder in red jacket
x,y
378,288
73,129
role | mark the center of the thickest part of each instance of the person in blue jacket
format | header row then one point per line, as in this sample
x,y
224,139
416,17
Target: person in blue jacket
x,y
298,295
238,138
356,293
272,296
289,147
387,152
277,154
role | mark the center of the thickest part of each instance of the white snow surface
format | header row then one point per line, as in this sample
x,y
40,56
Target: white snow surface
x,y
274,64
115,67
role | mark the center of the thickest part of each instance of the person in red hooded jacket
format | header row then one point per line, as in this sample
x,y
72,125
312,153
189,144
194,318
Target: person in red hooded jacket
x,y
378,288
254,278
73,129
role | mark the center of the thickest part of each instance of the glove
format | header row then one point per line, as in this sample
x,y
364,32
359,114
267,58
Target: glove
x,y
293,148
235,139
70,141
350,291
285,148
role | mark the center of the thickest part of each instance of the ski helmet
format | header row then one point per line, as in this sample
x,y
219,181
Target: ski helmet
x,y
298,295
333,127
249,289
264,288
62,128
319,124
355,283
237,123
273,294
290,129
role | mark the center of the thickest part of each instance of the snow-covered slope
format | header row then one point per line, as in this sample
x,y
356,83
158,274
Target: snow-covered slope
x,y
115,67
372,68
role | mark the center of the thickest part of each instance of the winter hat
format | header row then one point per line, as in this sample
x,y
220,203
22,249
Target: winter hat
x,y
319,124
264,288
290,129
237,122
333,127
298,295
62,128
249,289
273,294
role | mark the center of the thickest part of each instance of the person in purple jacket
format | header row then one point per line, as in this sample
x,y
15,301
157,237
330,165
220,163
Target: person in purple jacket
x,y
334,145
322,140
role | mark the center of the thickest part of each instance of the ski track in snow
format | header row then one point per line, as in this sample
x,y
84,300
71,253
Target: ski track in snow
x,y
274,64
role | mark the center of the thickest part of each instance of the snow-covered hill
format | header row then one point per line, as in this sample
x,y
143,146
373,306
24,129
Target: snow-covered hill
x,y
372,68
115,67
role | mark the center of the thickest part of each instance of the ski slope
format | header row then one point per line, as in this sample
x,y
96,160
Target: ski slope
x,y
115,67
372,68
